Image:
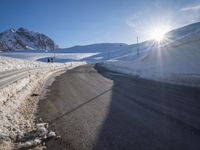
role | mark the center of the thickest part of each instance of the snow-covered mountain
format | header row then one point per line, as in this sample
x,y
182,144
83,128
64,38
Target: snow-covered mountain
x,y
22,39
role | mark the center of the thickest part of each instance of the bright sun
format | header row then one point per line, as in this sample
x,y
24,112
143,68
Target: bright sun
x,y
158,33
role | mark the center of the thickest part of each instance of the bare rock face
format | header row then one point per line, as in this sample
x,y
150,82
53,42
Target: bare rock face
x,y
22,39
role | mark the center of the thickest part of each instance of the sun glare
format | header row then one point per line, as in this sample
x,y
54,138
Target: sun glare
x,y
158,33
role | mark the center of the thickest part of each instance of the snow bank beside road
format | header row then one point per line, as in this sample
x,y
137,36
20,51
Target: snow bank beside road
x,y
18,101
18,107
176,62
8,64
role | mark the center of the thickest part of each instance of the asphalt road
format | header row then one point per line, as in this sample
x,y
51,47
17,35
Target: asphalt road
x,y
102,110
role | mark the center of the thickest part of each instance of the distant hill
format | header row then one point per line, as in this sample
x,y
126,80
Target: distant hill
x,y
100,47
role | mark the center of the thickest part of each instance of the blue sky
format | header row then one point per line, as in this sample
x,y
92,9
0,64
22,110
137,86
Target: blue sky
x,y
80,22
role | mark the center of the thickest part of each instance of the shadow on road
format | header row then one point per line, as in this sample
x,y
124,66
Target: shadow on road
x,y
79,106
102,110
149,115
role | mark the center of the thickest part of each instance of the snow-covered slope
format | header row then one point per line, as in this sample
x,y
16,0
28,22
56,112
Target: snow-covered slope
x,y
183,31
97,48
89,53
22,38
176,61
41,55
102,51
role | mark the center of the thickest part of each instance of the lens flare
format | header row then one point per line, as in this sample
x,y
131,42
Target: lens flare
x,y
158,33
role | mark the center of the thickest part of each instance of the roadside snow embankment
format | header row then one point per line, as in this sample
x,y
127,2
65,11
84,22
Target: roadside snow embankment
x,y
18,101
10,64
176,62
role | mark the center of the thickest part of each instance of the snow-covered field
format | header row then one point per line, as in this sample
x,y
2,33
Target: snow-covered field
x,y
41,55
89,53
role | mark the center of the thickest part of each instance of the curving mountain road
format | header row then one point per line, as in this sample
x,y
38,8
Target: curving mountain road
x,y
92,108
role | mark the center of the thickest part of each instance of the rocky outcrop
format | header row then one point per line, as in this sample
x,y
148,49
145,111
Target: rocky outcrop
x,y
22,39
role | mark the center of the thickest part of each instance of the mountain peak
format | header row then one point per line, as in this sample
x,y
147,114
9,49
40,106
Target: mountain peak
x,y
11,30
23,38
22,29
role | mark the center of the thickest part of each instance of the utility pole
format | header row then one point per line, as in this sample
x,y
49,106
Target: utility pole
x,y
108,54
137,46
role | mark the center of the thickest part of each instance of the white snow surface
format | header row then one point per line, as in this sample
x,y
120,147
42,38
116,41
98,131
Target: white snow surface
x,y
42,56
17,107
8,64
89,53
176,61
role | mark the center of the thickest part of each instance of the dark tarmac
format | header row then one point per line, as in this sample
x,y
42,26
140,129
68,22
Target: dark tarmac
x,y
95,109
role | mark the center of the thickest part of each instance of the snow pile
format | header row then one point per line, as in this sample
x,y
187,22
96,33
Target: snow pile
x,y
175,62
8,64
18,101
17,107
